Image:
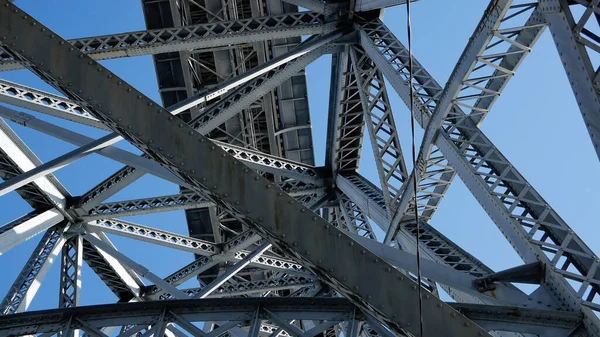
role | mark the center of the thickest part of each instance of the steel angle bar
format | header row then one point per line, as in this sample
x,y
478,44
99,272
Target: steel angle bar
x,y
254,159
57,163
214,34
29,280
153,235
231,271
16,158
576,38
276,216
19,230
204,96
137,268
124,283
345,125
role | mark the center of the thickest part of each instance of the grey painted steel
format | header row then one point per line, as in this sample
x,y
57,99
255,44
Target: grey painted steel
x,y
535,230
16,159
225,178
367,5
214,34
242,311
383,133
255,159
29,280
70,272
575,39
24,228
230,272
57,163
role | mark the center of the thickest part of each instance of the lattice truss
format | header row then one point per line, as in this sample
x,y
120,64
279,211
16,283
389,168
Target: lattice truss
x,y
279,246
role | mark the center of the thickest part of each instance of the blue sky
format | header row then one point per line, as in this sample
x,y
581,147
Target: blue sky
x,y
535,123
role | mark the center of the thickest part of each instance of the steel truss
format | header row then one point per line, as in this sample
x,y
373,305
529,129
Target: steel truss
x,y
292,242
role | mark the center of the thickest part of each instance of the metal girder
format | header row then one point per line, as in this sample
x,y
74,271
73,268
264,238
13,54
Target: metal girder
x,y
57,163
182,201
523,320
19,230
249,92
206,95
123,284
275,215
354,218
231,271
70,272
255,159
387,151
240,311
16,158
534,229
494,68
47,103
109,187
29,280
575,40
280,310
153,235
367,5
345,126
214,34
143,206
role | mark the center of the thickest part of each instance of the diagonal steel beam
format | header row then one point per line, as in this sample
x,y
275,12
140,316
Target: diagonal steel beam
x,y
19,230
29,280
276,216
535,230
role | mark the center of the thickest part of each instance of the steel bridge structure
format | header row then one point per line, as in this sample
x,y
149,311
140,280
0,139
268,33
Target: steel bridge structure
x,y
280,246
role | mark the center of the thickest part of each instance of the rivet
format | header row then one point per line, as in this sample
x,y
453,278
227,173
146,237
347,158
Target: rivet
x,y
247,211
201,140
356,288
256,178
170,118
344,278
295,244
71,49
388,269
376,261
291,202
307,253
401,278
80,56
453,314
330,270
319,261
351,243
69,84
203,179
467,324
191,133
268,186
339,235
193,171
90,62
129,126
369,297
111,76
160,148
227,194
120,82
171,156
439,305
260,218
279,194
395,315
237,202
245,170
119,119
303,210
109,112
139,97
363,252
128,89
61,42
314,218
214,187
182,163
223,155
180,125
